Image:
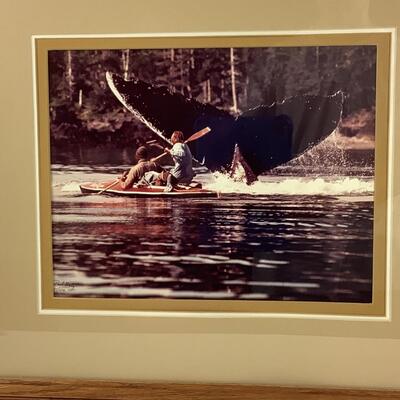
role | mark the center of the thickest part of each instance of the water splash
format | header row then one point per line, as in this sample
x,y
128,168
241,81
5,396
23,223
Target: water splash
x,y
337,186
275,185
326,155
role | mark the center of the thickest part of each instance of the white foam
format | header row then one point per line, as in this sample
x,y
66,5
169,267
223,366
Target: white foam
x,y
294,186
274,185
71,187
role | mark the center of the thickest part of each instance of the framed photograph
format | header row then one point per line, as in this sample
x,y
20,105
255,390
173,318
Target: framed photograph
x,y
227,173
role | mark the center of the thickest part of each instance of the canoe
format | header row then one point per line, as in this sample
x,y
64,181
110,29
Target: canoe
x,y
145,191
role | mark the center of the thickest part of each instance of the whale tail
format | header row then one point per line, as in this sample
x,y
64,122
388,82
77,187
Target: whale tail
x,y
256,141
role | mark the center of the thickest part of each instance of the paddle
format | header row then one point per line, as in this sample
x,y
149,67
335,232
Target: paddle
x,y
109,186
195,136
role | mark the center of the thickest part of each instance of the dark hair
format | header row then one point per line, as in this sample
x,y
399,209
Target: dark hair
x,y
177,137
141,153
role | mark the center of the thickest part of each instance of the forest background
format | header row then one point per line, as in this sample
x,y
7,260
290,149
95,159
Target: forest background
x,y
86,119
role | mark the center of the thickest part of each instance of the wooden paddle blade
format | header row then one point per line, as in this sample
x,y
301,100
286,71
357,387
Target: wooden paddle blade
x,y
198,134
195,136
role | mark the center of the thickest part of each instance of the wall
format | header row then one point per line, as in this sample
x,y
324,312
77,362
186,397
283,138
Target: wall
x,y
273,350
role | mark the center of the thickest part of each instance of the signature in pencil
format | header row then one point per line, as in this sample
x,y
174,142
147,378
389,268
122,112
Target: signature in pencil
x,y
64,286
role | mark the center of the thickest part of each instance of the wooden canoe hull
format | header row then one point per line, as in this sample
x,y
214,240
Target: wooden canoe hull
x,y
144,191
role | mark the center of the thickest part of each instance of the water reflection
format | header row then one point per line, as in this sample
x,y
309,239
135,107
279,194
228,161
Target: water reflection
x,y
271,247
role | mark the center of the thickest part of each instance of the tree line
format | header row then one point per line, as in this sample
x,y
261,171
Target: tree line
x,y
84,111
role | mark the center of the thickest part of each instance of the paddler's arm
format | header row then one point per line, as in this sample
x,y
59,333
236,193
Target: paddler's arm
x,y
130,178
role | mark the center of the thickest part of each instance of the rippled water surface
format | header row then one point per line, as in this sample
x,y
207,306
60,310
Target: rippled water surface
x,y
286,237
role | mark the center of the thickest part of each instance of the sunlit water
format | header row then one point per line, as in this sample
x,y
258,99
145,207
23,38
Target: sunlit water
x,y
294,235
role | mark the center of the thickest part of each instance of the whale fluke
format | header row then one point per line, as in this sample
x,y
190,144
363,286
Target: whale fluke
x,y
264,137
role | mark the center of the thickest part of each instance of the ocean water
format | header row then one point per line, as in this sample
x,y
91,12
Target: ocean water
x,y
303,232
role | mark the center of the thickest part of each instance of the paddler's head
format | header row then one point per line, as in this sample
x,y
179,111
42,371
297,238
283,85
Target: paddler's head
x,y
141,153
177,137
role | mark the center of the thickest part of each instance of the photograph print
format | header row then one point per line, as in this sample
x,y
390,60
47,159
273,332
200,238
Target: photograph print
x,y
218,173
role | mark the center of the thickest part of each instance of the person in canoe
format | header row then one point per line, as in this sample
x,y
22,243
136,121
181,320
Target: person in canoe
x,y
182,171
140,169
